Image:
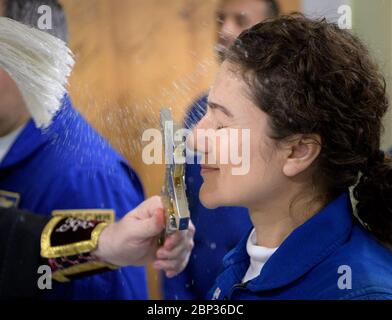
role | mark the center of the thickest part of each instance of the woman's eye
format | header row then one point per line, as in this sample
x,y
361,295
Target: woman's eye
x,y
220,127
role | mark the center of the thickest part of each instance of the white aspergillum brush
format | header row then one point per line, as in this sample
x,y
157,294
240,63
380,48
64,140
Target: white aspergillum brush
x,y
40,65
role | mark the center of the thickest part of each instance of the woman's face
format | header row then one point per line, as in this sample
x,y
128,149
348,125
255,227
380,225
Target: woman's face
x,y
232,114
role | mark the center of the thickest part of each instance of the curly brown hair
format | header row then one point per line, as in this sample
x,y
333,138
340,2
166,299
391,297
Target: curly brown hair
x,y
309,76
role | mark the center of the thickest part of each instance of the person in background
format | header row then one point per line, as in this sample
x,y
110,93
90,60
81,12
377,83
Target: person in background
x,y
218,230
68,167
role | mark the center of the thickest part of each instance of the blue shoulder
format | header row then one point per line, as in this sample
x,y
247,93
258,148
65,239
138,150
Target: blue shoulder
x,y
89,172
369,263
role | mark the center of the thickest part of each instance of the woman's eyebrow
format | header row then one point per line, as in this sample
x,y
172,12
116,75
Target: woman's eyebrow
x,y
213,105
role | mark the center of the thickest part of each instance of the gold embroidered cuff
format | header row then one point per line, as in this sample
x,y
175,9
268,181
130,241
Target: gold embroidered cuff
x,y
69,236
67,243
80,267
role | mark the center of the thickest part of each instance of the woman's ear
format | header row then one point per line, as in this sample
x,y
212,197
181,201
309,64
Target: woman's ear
x,y
300,153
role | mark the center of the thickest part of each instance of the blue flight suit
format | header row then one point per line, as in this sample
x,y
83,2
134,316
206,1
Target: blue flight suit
x,y
70,166
321,260
217,232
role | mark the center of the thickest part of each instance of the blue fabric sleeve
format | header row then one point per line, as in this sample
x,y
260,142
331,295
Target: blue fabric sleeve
x,y
114,188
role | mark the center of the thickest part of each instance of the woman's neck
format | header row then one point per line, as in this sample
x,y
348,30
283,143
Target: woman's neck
x,y
274,221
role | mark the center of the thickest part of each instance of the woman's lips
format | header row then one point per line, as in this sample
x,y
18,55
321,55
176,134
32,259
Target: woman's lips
x,y
208,169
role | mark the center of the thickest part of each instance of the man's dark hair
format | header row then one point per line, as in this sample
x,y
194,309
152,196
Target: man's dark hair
x,y
311,77
26,12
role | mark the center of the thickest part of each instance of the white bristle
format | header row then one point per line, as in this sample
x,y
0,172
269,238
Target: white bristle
x,y
40,65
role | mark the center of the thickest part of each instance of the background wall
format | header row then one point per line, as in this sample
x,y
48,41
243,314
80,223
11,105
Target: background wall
x,y
322,8
373,23
134,57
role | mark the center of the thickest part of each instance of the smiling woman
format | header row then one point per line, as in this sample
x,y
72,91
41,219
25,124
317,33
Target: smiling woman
x,y
313,101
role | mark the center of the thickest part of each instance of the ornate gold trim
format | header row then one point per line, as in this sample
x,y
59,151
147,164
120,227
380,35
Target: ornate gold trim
x,y
48,251
11,194
62,275
87,214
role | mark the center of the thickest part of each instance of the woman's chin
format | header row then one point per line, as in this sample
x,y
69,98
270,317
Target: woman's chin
x,y
212,199
208,199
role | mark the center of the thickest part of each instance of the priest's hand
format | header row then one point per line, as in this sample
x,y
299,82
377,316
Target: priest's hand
x,y
134,240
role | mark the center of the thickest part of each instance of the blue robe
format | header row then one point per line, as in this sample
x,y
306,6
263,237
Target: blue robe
x,y
70,166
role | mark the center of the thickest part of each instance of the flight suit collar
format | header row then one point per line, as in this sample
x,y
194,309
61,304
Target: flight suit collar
x,y
303,249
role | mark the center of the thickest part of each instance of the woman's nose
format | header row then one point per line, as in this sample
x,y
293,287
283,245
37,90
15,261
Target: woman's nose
x,y
198,139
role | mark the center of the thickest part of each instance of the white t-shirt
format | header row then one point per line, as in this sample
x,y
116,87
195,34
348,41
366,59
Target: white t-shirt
x,y
258,257
7,141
